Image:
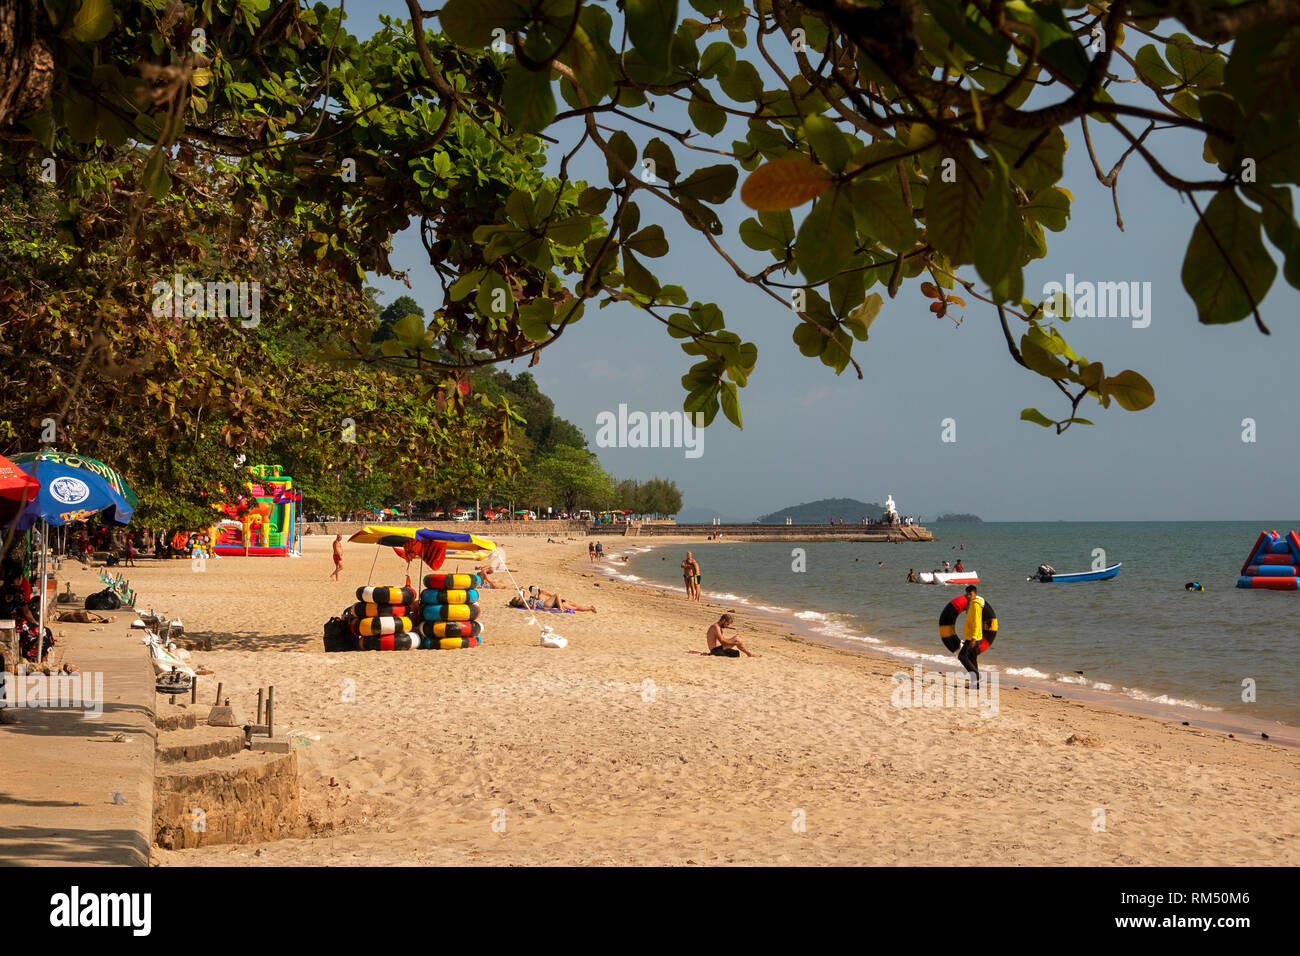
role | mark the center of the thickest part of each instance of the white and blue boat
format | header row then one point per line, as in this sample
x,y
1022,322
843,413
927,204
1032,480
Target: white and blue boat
x,y
1049,575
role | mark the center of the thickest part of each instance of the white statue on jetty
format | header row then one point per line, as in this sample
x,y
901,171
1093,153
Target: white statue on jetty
x,y
891,511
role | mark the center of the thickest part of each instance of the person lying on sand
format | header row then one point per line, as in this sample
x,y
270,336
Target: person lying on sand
x,y
722,646
485,576
546,600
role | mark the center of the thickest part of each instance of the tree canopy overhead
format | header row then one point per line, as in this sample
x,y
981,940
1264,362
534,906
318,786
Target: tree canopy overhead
x,y
920,143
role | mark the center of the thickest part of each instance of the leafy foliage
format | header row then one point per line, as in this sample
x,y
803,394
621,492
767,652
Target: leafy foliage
x,y
907,124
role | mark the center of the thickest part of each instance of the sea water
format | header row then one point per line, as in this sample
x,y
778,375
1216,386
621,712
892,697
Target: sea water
x,y
1140,634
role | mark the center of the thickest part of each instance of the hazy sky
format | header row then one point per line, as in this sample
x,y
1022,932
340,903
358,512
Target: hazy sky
x,y
809,434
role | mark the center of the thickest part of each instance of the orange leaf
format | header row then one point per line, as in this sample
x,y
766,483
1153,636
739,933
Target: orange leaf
x,y
938,308
930,290
784,184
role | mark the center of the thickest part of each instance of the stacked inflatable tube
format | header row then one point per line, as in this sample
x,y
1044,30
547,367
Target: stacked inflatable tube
x,y
444,582
391,642
449,612
1273,564
948,624
381,621
437,630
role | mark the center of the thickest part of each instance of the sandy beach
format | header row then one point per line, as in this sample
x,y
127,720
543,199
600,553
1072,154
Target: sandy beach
x,y
624,748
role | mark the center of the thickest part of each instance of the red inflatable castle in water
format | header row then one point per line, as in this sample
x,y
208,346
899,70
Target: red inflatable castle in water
x,y
1273,564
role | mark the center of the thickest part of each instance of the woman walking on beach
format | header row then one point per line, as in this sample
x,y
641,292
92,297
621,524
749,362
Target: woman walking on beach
x,y
338,557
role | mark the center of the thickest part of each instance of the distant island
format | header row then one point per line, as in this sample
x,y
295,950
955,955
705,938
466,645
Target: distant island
x,y
958,517
822,511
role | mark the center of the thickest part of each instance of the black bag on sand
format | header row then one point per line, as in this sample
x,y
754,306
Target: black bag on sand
x,y
338,636
105,600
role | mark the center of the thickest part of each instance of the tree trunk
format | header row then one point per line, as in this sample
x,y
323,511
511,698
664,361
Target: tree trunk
x,y
26,66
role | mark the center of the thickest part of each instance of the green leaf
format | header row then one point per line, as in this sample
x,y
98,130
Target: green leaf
x,y
638,276
471,22
589,63
742,84
846,291
1036,160
92,21
1279,223
809,338
1051,207
717,58
826,238
754,235
860,319
1039,360
707,116
971,34
882,215
1151,68
621,145
494,297
830,145
1194,67
466,284
156,179
712,184
409,331
528,99
779,223
952,207
731,403
1230,231
997,254
649,241
535,319
569,231
665,164
593,200
1131,390
1037,417
650,27
1057,44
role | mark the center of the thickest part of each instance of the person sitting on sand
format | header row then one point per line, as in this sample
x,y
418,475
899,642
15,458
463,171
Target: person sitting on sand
x,y
722,646
545,600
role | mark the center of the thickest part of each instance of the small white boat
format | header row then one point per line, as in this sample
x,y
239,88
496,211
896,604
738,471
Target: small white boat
x,y
947,577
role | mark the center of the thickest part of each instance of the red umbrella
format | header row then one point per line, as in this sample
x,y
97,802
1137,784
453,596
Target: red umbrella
x,y
16,489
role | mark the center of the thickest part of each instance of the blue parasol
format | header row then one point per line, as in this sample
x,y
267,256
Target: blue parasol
x,y
71,491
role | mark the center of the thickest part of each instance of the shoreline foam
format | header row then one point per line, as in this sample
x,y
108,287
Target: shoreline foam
x,y
1136,700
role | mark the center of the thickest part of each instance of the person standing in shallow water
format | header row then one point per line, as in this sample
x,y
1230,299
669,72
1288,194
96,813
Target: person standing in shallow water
x,y
973,635
691,577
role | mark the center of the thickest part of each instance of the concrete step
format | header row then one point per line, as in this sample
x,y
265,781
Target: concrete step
x,y
167,717
194,744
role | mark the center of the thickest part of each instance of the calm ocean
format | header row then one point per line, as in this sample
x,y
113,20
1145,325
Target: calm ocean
x,y
1140,634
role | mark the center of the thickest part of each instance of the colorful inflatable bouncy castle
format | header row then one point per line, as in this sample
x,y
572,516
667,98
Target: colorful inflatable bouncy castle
x,y
263,521
1273,564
